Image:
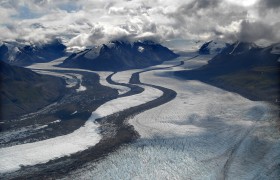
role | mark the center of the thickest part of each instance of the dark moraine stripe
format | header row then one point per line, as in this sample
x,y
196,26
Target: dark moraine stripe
x,y
114,130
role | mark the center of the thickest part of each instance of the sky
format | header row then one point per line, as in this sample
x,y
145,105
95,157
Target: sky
x,y
92,22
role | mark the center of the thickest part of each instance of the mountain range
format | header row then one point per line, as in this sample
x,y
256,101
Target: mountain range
x,y
119,55
23,55
245,68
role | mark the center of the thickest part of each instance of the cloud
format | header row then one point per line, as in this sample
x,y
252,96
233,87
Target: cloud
x,y
195,6
207,20
84,23
270,4
254,31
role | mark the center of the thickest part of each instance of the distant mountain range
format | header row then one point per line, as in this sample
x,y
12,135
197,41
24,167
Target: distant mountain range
x,y
244,68
24,91
22,55
242,56
118,55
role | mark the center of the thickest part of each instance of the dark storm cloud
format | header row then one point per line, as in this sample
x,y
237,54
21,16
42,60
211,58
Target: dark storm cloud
x,y
271,4
254,31
193,8
208,19
269,7
202,4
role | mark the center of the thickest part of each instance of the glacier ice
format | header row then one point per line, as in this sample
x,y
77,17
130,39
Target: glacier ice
x,y
204,133
12,158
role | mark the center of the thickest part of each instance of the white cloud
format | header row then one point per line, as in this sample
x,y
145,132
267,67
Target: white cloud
x,y
86,23
243,3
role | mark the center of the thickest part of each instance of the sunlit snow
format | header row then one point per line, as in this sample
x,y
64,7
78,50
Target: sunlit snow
x,y
81,87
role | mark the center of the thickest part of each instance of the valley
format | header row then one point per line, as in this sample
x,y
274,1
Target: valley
x,y
147,117
140,90
114,131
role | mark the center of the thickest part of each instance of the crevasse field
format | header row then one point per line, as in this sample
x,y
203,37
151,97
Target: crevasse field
x,y
204,133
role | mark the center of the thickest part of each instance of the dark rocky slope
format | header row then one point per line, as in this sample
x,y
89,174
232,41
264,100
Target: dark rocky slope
x,y
24,55
24,91
244,68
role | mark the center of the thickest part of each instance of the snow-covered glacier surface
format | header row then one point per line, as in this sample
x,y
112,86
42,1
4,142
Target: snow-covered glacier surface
x,y
12,158
126,102
103,75
204,133
47,68
124,76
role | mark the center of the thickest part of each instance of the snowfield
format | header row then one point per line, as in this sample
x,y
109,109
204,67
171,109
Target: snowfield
x,y
204,133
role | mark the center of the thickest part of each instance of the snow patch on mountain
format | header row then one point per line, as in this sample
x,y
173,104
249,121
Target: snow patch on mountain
x,y
235,46
212,47
141,49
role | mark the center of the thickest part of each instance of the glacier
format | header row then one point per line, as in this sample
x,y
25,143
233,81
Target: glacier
x,y
13,157
47,68
204,133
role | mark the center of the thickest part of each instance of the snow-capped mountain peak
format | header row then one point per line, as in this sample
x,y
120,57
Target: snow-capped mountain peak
x,y
22,54
212,47
119,55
